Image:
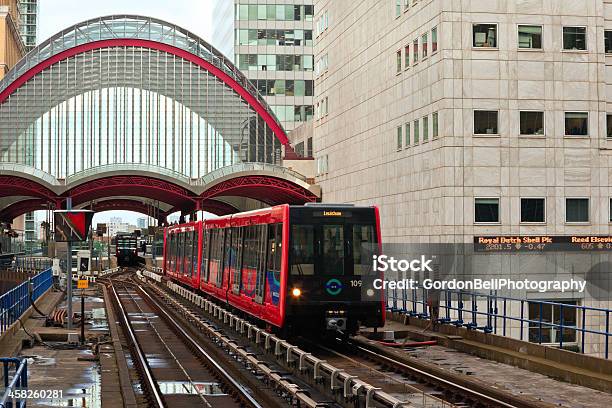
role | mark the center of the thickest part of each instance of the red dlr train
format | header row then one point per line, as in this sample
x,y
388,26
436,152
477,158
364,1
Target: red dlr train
x,y
299,269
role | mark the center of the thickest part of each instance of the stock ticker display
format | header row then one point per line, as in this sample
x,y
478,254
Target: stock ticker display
x,y
540,243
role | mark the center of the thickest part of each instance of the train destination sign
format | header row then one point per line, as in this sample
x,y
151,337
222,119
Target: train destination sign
x,y
537,243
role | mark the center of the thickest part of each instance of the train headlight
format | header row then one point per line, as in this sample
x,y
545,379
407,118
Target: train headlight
x,y
370,292
296,292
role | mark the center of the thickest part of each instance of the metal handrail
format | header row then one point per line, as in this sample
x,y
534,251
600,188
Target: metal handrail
x,y
466,307
19,382
15,302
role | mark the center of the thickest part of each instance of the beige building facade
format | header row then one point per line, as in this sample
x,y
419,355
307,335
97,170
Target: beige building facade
x,y
11,44
462,119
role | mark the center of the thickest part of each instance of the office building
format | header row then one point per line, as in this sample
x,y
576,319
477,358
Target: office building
x,y
28,10
272,44
11,44
470,119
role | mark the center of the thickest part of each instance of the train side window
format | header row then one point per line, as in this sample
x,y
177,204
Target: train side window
x,y
238,239
302,250
187,253
221,243
228,256
333,249
169,242
181,253
261,262
194,252
274,259
205,249
365,245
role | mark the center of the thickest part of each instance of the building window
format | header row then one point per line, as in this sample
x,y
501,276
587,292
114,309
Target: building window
x,y
486,210
398,8
434,40
552,314
576,123
406,4
530,36
425,128
424,42
532,123
415,50
574,38
485,35
485,122
399,138
610,211
407,133
608,41
576,210
299,149
533,210
416,131
609,125
309,147
434,125
407,56
398,61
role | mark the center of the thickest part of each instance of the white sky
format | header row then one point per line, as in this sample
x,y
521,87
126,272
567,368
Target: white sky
x,y
194,15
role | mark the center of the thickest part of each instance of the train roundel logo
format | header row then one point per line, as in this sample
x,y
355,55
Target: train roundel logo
x,y
333,287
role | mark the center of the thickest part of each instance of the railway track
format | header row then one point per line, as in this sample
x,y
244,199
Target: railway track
x,y
173,369
388,372
350,373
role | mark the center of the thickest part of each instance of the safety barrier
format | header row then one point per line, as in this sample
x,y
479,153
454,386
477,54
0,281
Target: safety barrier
x,y
15,387
568,326
28,263
14,303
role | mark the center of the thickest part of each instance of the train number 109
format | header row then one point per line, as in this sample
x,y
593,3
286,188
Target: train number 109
x,y
356,283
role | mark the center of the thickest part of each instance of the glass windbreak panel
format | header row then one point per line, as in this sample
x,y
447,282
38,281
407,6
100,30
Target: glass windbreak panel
x,y
540,316
565,316
302,250
365,245
332,250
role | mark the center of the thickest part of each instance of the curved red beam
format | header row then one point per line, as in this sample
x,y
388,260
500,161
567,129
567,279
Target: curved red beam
x,y
154,45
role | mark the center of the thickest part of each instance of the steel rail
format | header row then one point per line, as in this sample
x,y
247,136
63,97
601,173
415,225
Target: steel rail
x,y
494,402
244,393
150,382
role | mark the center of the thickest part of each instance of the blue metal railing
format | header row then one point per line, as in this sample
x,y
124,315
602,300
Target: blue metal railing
x,y
14,303
15,387
29,263
567,327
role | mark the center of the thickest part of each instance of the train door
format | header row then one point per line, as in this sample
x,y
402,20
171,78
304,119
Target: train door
x,y
236,265
221,245
228,258
274,256
204,266
248,275
261,262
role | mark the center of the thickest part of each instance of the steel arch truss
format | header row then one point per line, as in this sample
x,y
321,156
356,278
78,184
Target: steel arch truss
x,y
132,89
270,190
